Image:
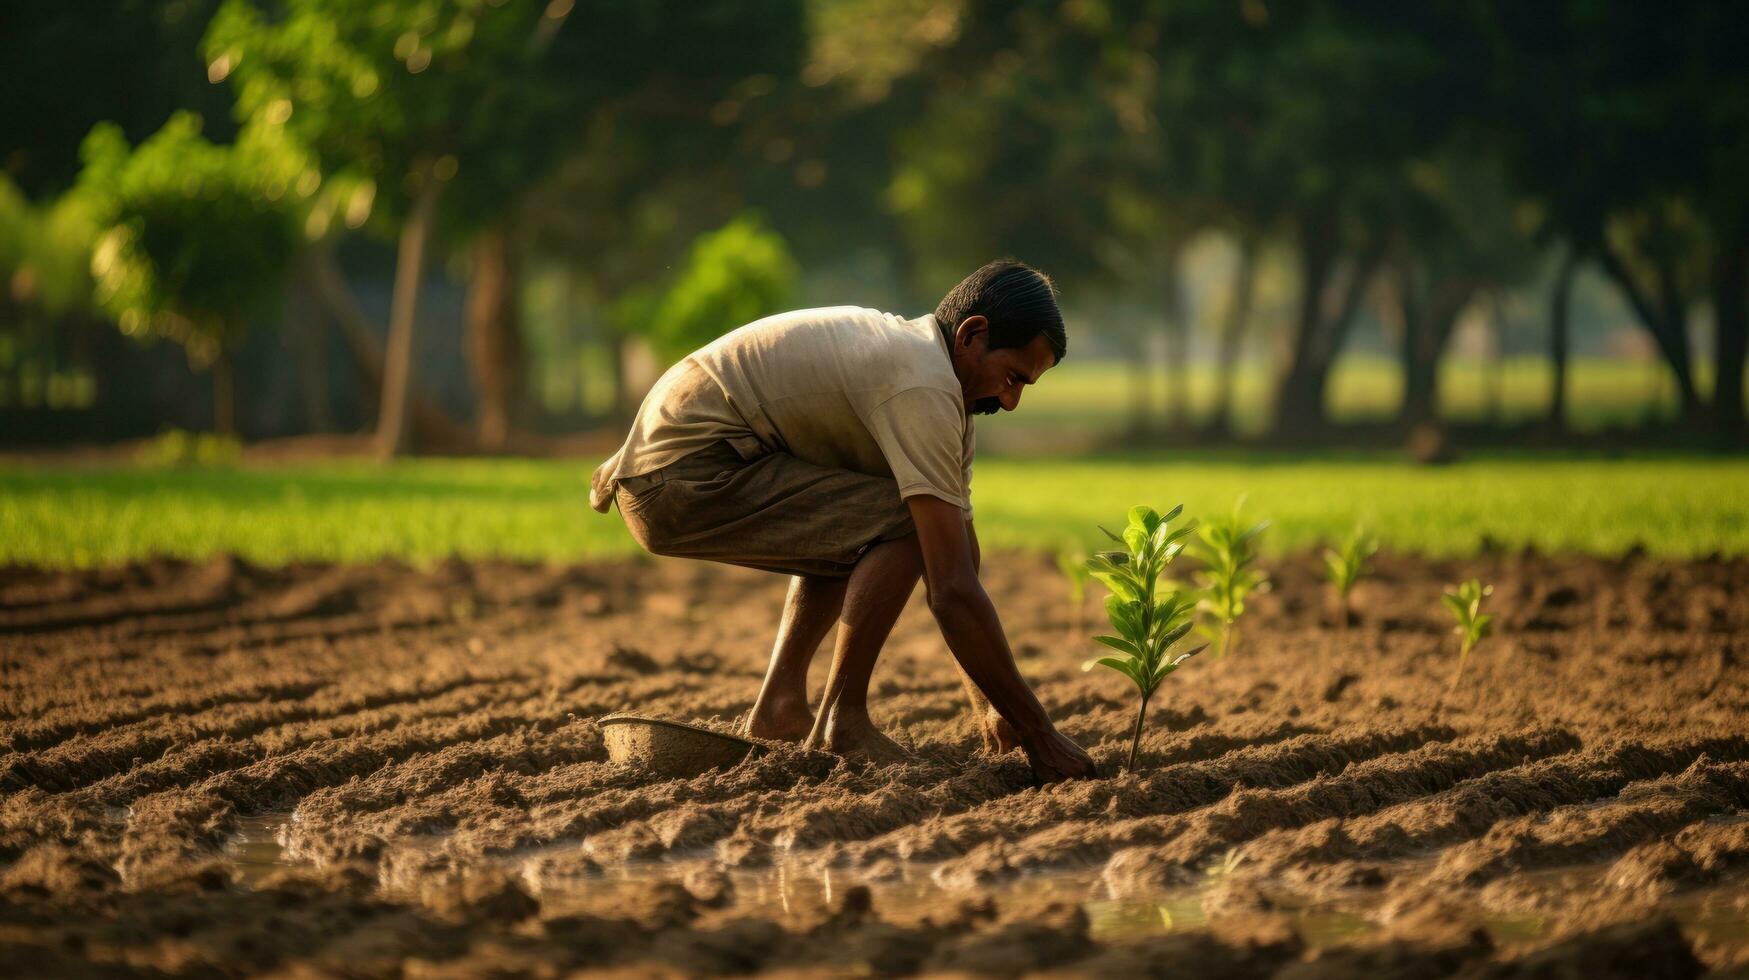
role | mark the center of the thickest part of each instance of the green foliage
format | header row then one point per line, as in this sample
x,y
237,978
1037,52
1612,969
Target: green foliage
x,y
1228,550
176,447
396,92
732,276
1345,567
1465,603
486,94
45,251
1146,618
1072,562
195,238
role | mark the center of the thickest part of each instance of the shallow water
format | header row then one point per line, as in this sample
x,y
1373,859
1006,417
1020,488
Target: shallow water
x,y
797,893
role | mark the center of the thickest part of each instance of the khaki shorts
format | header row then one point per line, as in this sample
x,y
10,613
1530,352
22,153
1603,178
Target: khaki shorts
x,y
776,513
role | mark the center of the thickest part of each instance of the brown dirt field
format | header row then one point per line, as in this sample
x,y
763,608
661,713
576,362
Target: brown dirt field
x,y
378,771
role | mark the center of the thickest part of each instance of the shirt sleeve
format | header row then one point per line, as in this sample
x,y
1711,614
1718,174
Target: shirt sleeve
x,y
922,433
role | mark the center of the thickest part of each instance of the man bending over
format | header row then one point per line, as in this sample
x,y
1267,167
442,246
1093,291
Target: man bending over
x,y
835,446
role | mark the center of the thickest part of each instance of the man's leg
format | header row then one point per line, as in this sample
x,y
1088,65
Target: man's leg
x,y
876,593
781,712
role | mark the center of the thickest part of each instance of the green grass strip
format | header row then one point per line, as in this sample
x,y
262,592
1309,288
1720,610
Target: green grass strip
x,y
424,510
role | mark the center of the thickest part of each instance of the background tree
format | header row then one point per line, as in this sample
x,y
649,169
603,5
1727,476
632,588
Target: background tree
x,y
415,96
72,64
194,238
732,276
1625,125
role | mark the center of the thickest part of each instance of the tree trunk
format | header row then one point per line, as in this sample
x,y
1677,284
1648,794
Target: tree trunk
x,y
1175,374
1336,330
432,427
1730,297
398,366
1141,421
1668,326
616,360
224,395
1420,385
309,337
1496,383
494,336
1560,334
1317,260
1430,317
1233,336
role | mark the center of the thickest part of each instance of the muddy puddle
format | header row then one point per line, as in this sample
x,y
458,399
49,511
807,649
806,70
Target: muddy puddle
x,y
799,892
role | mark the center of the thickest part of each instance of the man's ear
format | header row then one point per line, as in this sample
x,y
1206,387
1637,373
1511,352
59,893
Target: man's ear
x,y
972,328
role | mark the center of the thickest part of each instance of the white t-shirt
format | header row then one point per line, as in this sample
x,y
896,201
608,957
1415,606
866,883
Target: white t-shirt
x,y
845,387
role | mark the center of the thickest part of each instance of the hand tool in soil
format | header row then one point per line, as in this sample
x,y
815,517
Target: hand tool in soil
x,y
672,748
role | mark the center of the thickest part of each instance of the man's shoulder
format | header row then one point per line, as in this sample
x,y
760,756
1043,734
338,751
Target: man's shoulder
x,y
827,317
862,338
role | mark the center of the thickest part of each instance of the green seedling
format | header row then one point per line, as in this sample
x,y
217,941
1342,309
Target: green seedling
x,y
1345,567
1147,616
1228,864
1227,550
1465,603
1073,564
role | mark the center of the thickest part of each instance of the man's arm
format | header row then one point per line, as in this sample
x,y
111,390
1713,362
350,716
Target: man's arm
x,y
997,733
974,634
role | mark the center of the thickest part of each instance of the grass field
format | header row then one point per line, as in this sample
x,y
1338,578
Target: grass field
x,y
423,510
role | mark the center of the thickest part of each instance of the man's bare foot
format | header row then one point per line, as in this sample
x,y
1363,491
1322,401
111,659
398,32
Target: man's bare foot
x,y
999,736
858,738
780,721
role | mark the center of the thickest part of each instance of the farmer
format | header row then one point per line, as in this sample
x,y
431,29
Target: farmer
x,y
835,446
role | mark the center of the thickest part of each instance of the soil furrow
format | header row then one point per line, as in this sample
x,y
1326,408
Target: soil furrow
x,y
1171,789
185,767
93,760
1468,810
64,722
1157,851
81,762
1699,854
1570,835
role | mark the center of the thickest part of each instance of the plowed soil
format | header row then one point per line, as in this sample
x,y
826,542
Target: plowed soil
x,y
379,771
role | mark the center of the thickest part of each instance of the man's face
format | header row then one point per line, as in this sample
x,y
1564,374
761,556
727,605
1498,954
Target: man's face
x,y
994,380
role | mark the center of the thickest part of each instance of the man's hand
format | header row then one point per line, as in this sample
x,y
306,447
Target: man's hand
x,y
1054,756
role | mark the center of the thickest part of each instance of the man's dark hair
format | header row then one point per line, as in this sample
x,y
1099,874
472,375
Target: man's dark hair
x,y
1019,301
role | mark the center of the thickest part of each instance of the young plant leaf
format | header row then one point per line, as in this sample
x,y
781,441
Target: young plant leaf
x,y
1227,549
1119,643
1148,612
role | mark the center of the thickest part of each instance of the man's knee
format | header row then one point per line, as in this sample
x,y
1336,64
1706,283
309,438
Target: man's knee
x,y
651,536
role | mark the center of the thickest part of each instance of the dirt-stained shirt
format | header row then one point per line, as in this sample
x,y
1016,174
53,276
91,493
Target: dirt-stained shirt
x,y
844,386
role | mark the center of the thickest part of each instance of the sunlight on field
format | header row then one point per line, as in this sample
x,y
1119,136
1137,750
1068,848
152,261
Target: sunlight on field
x,y
425,510
1676,507
1100,395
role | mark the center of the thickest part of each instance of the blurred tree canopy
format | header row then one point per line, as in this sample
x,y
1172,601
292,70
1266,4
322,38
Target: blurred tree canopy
x,y
1399,166
735,274
413,96
193,239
